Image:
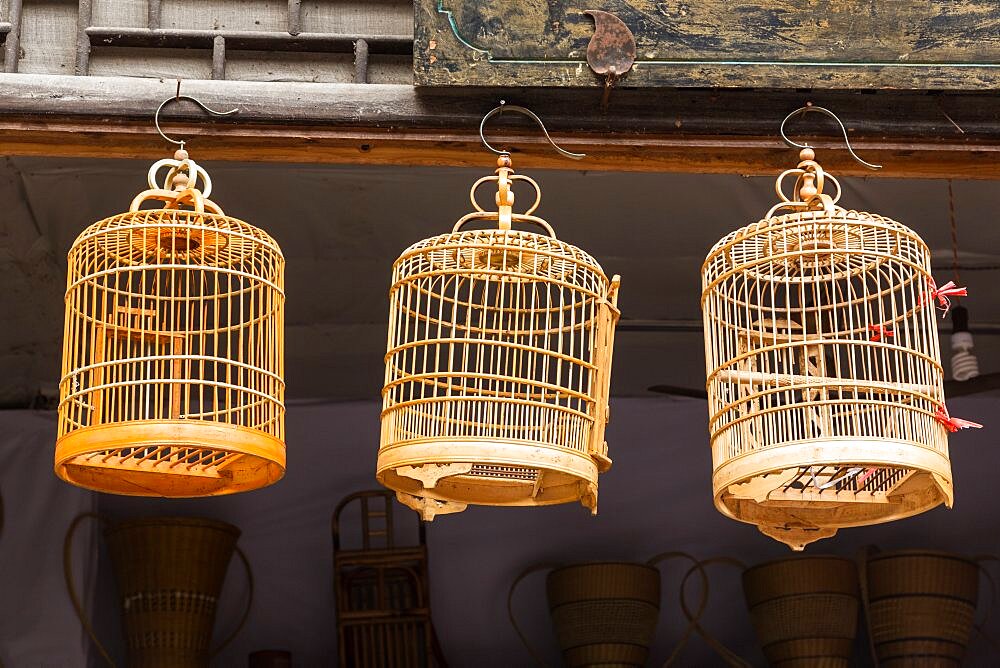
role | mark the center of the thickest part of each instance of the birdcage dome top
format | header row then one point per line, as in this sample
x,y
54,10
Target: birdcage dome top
x,y
156,236
844,242
773,223
515,253
215,221
775,234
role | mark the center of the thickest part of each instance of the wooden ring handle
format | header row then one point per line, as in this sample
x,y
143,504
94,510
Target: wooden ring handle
x,y
510,610
71,587
246,611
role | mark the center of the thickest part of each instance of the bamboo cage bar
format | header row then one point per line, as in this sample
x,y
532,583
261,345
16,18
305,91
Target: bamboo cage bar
x,y
173,363
824,371
498,365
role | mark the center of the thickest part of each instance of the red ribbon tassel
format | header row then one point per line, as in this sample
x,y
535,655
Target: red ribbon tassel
x,y
863,478
954,424
943,295
881,331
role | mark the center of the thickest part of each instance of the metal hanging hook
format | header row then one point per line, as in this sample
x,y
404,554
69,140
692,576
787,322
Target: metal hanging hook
x,y
177,98
533,116
801,111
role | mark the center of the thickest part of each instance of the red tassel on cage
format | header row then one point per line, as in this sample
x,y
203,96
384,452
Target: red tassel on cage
x,y
863,478
881,331
953,424
943,295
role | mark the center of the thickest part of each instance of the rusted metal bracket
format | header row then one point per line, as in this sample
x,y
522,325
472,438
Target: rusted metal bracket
x,y
611,51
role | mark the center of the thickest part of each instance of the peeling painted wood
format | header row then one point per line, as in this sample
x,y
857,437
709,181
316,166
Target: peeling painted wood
x,y
857,44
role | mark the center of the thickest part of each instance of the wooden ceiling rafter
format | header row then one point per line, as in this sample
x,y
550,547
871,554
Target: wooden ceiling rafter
x,y
915,135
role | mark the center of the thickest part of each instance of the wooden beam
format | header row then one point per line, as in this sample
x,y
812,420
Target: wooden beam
x,y
913,135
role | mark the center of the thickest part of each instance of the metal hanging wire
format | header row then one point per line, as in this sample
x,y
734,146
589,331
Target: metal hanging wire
x,y
178,98
801,111
954,233
533,116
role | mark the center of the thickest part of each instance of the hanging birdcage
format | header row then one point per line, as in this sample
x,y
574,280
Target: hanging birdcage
x,y
498,364
173,352
825,383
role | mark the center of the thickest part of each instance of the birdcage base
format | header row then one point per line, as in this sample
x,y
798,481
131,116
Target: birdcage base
x,y
169,458
801,492
487,472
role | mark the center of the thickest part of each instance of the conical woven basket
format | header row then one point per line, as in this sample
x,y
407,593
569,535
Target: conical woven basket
x,y
170,572
804,610
604,613
921,607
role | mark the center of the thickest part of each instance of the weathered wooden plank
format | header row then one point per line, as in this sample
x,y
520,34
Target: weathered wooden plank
x,y
212,14
694,131
362,17
747,156
136,62
278,66
731,43
370,17
48,39
388,69
724,112
151,38
121,13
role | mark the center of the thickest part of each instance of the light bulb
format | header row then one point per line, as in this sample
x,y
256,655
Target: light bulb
x,y
964,364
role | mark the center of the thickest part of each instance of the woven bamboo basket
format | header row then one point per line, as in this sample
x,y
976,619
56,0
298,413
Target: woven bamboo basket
x,y
498,365
804,610
921,607
604,613
825,385
169,572
172,379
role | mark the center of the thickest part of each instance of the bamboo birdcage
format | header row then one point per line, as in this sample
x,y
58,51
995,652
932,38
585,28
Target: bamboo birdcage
x,y
172,378
825,382
498,365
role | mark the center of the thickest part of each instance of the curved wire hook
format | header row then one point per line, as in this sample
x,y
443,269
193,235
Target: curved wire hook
x,y
177,98
802,111
533,116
